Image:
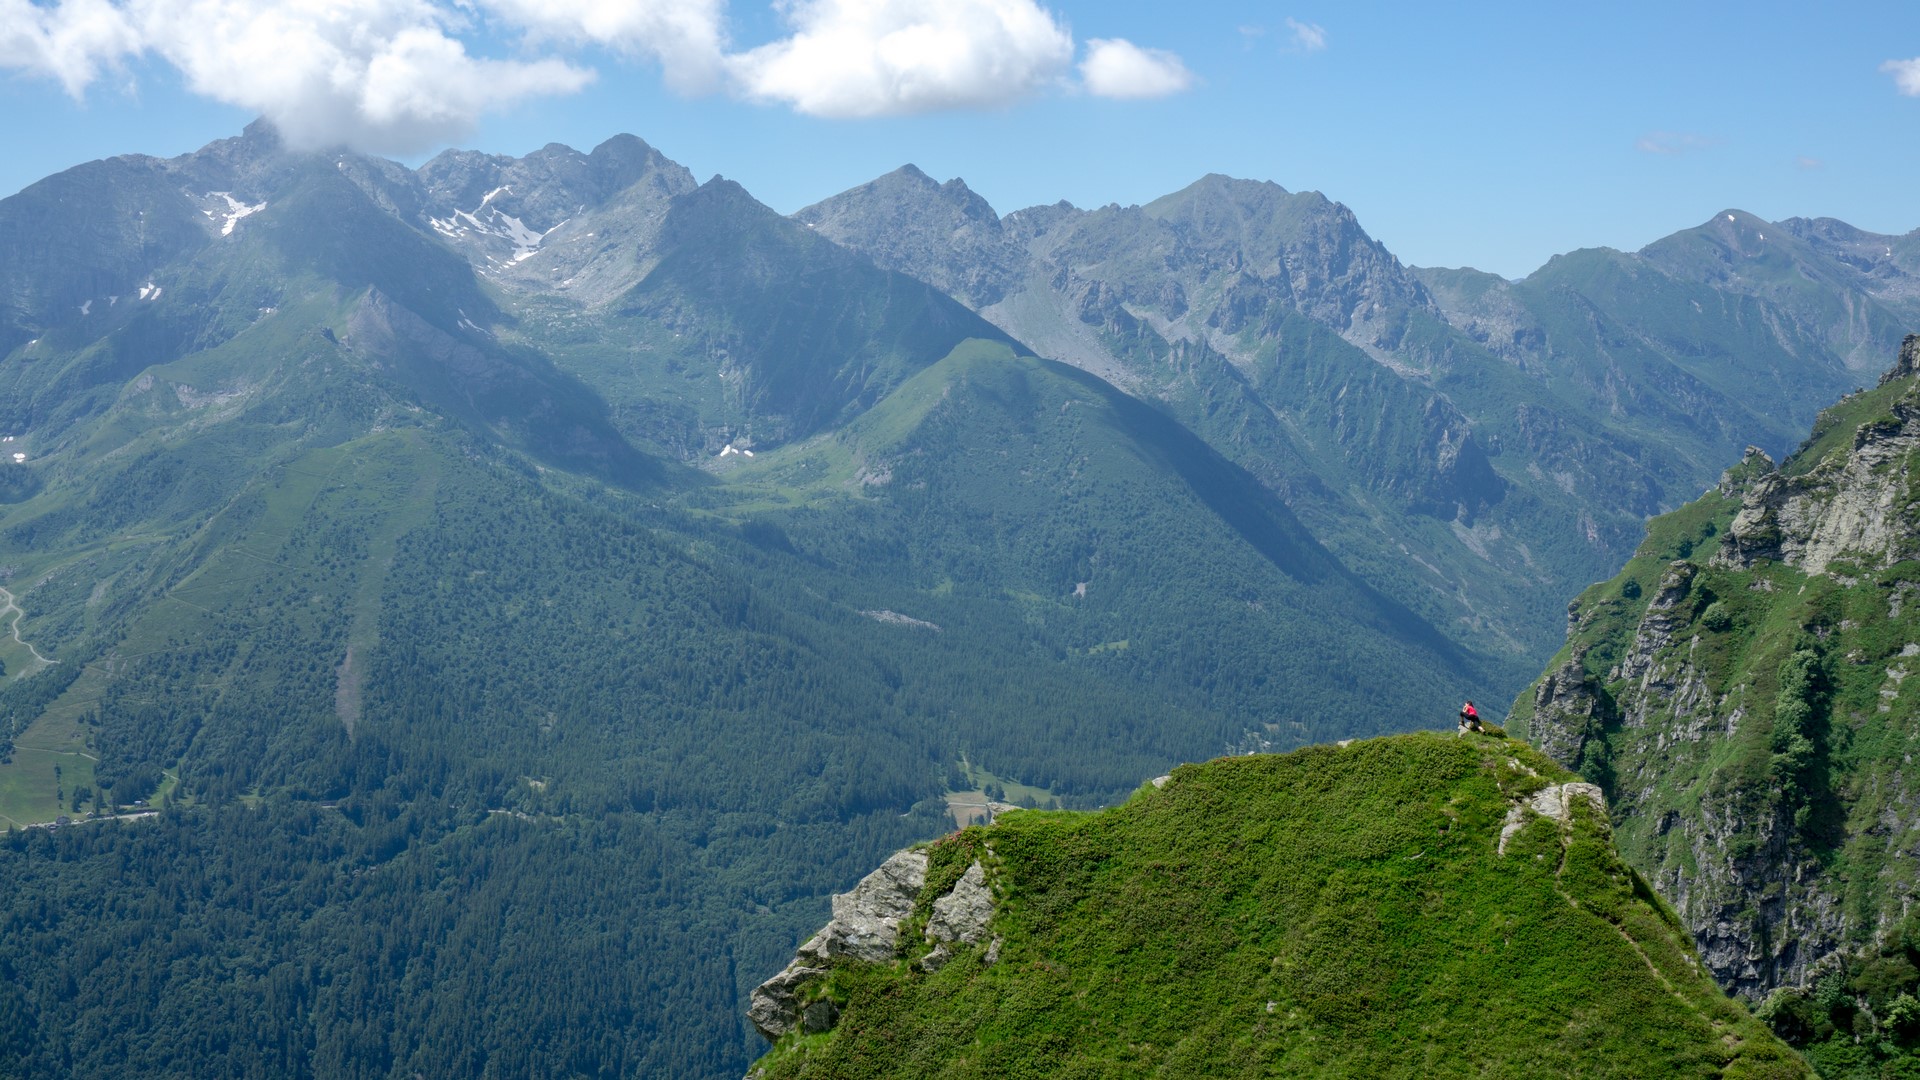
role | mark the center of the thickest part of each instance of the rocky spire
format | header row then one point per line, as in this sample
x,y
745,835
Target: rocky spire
x,y
1908,363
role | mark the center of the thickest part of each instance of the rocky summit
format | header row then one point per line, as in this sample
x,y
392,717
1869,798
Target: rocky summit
x,y
1400,906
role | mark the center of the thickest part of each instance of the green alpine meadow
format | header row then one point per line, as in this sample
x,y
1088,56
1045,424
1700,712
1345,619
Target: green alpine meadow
x,y
1413,905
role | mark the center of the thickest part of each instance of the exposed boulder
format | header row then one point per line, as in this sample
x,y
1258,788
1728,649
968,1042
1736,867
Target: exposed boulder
x,y
774,1006
1554,803
865,928
866,921
962,914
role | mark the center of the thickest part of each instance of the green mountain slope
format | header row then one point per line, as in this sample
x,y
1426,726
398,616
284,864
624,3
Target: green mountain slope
x,y
1121,539
1738,690
807,334
1396,907
476,615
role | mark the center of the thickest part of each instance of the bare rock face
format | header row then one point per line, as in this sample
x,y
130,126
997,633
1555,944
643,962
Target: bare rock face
x,y
866,921
1566,712
865,928
774,1006
962,914
1856,505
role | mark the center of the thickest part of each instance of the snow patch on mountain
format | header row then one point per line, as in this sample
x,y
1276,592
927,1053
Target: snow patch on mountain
x,y
235,210
490,221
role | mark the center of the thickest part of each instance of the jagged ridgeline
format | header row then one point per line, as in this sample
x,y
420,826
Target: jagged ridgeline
x,y
1739,693
1412,905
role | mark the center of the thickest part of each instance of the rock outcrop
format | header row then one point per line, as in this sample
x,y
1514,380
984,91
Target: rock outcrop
x,y
961,917
866,929
1555,803
866,921
1854,506
775,1006
1909,362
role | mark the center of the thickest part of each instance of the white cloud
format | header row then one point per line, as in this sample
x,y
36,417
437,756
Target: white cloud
x,y
1906,75
72,42
379,75
887,57
375,74
686,37
1116,68
1808,163
1308,37
399,76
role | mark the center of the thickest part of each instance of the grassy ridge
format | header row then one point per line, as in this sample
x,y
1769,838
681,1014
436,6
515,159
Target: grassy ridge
x,y
1335,911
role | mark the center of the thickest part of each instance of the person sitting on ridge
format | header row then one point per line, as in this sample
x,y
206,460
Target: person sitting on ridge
x,y
1469,717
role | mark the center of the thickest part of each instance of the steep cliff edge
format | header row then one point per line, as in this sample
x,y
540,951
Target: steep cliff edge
x,y
1398,906
1738,692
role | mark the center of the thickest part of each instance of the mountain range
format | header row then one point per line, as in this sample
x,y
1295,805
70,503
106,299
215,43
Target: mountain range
x,y
364,527
1511,436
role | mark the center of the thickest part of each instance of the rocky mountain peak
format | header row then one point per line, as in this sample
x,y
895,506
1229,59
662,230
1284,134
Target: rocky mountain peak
x,y
584,222
718,203
1909,362
1722,245
548,185
943,234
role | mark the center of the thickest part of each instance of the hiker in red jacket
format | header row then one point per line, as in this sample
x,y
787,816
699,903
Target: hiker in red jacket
x,y
1469,717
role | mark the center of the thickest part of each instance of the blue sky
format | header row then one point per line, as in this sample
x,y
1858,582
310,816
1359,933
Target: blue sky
x,y
1493,138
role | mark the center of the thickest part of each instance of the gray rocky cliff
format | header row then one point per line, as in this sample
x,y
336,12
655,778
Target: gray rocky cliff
x,y
866,928
866,921
1567,712
1745,807
1856,506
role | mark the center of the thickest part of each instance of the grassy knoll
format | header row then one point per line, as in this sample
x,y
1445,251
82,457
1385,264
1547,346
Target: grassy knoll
x,y
1334,911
